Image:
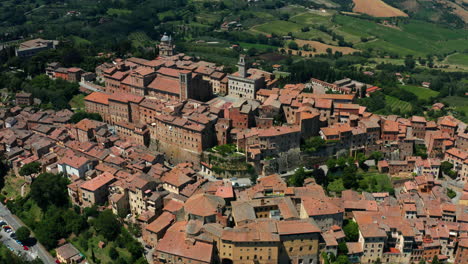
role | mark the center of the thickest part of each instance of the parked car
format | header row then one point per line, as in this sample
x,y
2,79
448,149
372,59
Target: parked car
x,y
25,248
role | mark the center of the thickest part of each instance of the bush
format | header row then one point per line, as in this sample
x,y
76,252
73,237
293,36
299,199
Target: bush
x,y
30,168
113,253
451,193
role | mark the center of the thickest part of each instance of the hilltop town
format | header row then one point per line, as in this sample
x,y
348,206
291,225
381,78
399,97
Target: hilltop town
x,y
231,168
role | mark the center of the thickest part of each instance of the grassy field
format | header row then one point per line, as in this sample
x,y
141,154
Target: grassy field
x,y
278,27
262,47
373,181
396,103
77,102
118,12
458,103
458,59
313,19
412,38
420,92
12,187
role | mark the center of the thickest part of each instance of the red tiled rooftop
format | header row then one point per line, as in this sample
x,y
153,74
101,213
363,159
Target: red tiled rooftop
x,y
97,182
98,97
162,222
126,97
203,205
175,243
461,154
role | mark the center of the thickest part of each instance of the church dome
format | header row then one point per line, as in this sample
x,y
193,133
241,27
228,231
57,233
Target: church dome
x,y
165,37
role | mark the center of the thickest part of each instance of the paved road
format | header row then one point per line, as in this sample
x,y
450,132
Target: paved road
x,y
35,251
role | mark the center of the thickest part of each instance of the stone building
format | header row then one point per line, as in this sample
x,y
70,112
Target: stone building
x,y
24,99
245,83
96,190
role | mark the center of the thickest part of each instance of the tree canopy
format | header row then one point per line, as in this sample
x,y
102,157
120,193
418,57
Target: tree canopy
x,y
77,117
50,189
107,225
30,168
23,233
351,230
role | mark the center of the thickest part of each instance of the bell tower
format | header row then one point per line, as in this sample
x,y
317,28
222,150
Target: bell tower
x,y
242,66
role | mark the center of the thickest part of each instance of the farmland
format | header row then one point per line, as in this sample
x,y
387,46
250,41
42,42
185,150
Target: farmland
x,y
420,92
376,8
394,103
458,103
412,38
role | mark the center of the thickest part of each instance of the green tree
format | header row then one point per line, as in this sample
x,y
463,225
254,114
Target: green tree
x,y
451,193
331,164
30,168
50,189
107,225
376,155
113,253
435,260
351,230
342,248
410,63
313,144
23,233
297,179
446,167
350,177
77,117
293,45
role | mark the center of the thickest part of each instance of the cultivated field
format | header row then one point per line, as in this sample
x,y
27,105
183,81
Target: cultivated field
x,y
420,92
395,103
322,48
376,8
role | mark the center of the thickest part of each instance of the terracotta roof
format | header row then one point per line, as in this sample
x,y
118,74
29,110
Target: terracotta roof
x,y
296,227
126,97
418,119
225,192
323,103
97,182
175,243
74,161
67,251
165,84
354,247
203,204
162,222
173,206
176,178
316,207
169,72
458,153
87,124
